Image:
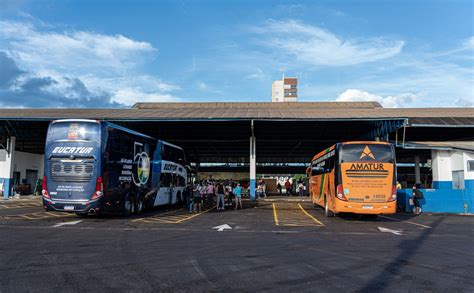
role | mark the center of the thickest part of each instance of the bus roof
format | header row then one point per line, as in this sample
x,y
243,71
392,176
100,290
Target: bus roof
x,y
105,123
75,120
170,144
321,153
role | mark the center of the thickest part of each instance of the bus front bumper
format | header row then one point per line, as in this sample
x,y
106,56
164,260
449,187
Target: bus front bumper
x,y
369,208
71,206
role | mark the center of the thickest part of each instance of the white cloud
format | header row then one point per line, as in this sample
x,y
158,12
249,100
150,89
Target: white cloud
x,y
73,52
202,85
129,96
469,43
315,46
104,65
396,101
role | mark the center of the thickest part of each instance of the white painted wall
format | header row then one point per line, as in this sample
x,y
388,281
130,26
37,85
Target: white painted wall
x,y
6,166
457,161
441,165
468,156
445,162
29,161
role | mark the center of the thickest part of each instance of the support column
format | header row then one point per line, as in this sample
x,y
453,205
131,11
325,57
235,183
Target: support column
x,y
6,167
417,170
253,165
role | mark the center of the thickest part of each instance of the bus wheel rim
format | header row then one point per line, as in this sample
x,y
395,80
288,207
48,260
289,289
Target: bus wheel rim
x,y
128,205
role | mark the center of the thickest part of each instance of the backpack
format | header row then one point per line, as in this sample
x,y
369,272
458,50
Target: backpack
x,y
418,194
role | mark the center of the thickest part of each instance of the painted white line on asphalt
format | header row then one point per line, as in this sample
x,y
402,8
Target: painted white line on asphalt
x,y
386,230
221,228
66,223
408,222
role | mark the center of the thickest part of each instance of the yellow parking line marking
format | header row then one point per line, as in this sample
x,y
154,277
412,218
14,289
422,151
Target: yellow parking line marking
x,y
275,216
156,216
313,218
27,217
54,215
195,215
5,206
408,222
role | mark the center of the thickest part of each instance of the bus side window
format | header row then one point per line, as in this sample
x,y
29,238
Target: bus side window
x,y
182,181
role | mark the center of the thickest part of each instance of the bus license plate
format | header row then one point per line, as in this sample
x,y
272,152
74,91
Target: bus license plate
x,y
367,207
68,208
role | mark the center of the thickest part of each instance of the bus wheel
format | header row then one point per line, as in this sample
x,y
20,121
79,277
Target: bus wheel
x,y
127,206
327,212
139,205
179,200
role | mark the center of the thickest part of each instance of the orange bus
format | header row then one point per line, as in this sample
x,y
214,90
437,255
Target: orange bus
x,y
354,177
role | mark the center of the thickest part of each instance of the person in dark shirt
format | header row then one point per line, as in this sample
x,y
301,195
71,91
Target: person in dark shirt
x,y
417,197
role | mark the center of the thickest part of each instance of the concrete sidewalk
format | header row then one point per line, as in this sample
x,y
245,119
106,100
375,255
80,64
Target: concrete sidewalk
x,y
30,197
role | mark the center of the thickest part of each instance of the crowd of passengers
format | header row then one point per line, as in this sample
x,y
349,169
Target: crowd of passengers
x,y
221,194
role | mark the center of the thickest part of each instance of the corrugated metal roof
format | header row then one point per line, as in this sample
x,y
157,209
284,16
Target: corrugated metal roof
x,y
229,111
447,145
259,105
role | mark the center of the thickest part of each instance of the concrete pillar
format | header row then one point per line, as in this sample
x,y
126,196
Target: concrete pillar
x,y
417,170
6,166
253,167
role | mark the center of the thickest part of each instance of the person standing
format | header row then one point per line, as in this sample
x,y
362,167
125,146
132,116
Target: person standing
x,y
197,199
301,189
288,187
220,196
238,196
210,193
279,187
229,192
264,189
417,197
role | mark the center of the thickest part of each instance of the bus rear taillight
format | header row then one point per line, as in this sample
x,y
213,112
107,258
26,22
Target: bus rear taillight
x,y
393,196
340,193
99,188
44,188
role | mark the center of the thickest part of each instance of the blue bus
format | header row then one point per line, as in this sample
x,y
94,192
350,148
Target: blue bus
x,y
94,166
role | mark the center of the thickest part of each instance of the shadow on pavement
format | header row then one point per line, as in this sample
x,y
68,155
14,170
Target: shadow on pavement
x,y
392,270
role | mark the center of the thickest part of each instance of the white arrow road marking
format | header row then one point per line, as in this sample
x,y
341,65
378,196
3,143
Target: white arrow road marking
x,y
396,232
221,228
67,223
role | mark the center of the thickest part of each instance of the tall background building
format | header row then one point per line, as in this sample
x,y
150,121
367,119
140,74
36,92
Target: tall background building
x,y
285,90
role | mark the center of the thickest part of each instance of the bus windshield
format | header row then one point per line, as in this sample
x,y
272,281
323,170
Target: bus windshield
x,y
74,131
366,152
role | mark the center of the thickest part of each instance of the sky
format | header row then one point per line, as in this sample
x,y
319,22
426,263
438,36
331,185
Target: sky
x,y
112,54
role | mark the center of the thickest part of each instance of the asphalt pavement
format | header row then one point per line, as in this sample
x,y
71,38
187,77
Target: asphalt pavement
x,y
277,246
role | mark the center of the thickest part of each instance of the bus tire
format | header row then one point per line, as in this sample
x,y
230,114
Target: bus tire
x,y
127,206
179,200
139,205
327,212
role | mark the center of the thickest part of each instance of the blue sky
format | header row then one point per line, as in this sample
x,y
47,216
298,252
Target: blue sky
x,y
115,53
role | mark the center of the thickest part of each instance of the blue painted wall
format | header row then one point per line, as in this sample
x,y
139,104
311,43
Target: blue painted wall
x,y
252,189
7,187
441,200
442,184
